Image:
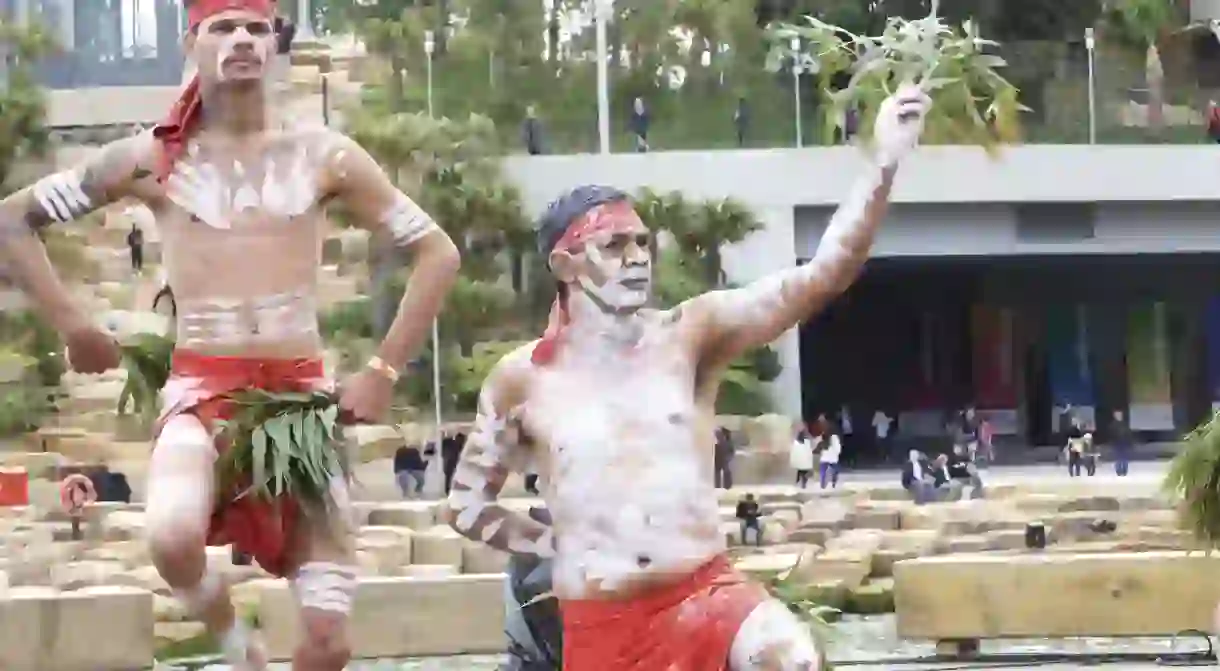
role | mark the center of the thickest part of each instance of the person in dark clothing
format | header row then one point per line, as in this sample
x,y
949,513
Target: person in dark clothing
x,y
749,515
451,450
1075,447
531,619
741,121
723,459
410,470
135,243
531,484
1124,442
531,132
639,124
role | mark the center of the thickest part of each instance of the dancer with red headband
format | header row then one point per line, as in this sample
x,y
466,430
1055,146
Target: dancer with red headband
x,y
239,197
615,408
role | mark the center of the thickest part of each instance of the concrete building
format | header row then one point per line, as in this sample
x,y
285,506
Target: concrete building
x,y
1051,276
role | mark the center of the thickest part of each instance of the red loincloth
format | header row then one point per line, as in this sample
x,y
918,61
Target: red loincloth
x,y
254,526
687,626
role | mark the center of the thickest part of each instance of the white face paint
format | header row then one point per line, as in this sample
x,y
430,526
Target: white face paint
x,y
626,276
242,53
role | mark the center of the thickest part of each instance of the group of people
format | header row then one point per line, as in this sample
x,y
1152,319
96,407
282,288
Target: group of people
x,y
614,397
945,477
411,462
1082,449
817,446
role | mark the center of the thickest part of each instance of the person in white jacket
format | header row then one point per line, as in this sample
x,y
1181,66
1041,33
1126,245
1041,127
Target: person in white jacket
x,y
800,456
829,466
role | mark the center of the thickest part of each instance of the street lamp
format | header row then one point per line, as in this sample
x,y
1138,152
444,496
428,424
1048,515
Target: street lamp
x,y
1090,45
795,44
600,17
429,49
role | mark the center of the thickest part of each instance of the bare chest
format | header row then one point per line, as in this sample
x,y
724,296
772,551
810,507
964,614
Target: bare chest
x,y
227,188
624,419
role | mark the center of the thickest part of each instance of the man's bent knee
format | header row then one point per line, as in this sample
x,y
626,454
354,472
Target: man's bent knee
x,y
179,500
772,638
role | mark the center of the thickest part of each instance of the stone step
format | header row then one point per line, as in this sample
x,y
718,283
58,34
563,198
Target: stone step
x,y
446,615
86,630
971,597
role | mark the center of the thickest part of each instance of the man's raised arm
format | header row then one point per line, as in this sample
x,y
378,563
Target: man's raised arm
x,y
738,319
495,449
384,210
105,177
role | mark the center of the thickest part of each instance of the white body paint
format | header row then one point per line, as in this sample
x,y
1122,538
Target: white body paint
x,y
773,639
61,196
286,316
277,184
628,477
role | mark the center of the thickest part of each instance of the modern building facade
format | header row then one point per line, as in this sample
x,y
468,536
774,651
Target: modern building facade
x,y
1049,276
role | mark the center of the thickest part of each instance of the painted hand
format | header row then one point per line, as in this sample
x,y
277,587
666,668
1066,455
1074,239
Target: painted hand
x,y
900,123
364,398
91,350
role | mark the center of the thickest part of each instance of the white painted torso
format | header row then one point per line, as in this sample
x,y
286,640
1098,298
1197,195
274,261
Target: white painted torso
x,y
242,232
627,453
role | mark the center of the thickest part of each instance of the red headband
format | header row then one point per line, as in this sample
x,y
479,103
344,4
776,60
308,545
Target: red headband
x,y
616,216
174,131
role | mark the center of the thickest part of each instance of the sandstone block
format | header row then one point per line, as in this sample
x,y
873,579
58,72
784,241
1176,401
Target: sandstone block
x,y
417,515
898,546
848,566
404,617
95,629
375,441
37,464
826,514
764,567
482,558
438,545
81,574
872,598
1055,595
815,535
427,571
965,544
1090,504
886,520
383,555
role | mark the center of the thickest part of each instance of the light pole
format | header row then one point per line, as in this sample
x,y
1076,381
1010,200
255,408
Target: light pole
x,y
429,49
1090,44
304,22
795,44
600,17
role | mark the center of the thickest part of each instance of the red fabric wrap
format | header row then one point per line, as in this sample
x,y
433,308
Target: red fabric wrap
x,y
256,527
615,216
687,626
176,129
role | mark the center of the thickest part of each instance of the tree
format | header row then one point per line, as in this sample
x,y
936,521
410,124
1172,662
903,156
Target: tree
x,y
699,229
1144,24
23,131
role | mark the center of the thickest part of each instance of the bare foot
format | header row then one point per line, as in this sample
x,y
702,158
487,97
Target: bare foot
x,y
244,649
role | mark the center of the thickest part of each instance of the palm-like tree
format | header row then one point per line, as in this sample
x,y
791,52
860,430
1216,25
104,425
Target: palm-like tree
x,y
23,133
1144,24
700,230
451,169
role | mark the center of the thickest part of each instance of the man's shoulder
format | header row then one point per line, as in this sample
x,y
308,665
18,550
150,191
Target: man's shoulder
x,y
509,379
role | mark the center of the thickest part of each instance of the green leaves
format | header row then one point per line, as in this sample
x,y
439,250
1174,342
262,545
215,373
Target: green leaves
x,y
973,103
147,362
283,444
1194,476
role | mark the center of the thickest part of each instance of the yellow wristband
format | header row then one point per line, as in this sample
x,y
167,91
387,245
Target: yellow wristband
x,y
378,364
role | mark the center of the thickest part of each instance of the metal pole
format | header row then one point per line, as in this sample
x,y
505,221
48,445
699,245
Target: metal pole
x,y
304,22
326,99
1090,45
796,90
600,16
429,48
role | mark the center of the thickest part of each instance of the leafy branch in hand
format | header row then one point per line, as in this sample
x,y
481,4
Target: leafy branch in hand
x,y
973,103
